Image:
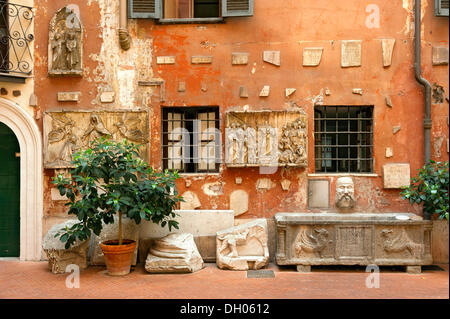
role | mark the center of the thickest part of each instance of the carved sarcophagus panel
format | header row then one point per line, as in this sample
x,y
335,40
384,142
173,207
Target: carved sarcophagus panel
x,y
352,239
266,138
66,132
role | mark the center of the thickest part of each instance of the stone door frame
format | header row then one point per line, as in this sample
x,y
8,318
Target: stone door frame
x,y
31,177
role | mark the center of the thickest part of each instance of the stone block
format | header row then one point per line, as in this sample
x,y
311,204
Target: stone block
x,y
272,57
388,101
387,50
358,91
201,59
389,152
239,202
351,53
59,257
243,92
69,96
110,232
440,242
396,175
238,58
195,222
440,56
243,247
175,253
396,129
312,56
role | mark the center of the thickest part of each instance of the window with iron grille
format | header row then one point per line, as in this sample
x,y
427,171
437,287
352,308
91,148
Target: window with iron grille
x,y
343,139
191,139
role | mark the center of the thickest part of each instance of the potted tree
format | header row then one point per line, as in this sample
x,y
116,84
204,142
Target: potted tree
x,y
110,179
430,188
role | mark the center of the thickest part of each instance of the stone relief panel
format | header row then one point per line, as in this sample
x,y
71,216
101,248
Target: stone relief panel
x,y
67,132
398,242
312,242
266,138
65,47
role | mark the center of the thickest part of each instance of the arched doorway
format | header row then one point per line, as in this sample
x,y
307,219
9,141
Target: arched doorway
x,y
31,177
9,193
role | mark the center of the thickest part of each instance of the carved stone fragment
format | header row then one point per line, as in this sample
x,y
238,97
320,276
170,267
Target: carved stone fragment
x,y
290,91
65,49
345,193
398,242
387,49
68,132
396,175
312,56
239,202
165,60
272,57
59,257
238,58
351,53
175,253
243,247
265,91
275,138
311,240
201,59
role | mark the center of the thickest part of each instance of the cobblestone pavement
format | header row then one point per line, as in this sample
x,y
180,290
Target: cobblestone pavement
x,y
33,280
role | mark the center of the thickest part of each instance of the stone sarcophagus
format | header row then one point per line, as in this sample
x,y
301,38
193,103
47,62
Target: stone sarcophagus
x,y
397,239
266,138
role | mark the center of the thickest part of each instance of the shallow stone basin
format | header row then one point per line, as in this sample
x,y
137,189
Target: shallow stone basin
x,y
307,239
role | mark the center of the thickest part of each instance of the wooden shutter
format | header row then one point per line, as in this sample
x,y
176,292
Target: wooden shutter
x,y
145,9
442,8
237,8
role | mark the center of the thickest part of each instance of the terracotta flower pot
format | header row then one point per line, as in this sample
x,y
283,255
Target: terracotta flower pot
x,y
118,257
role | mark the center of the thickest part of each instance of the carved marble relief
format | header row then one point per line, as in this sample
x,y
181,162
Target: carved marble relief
x,y
400,242
67,132
311,241
65,48
266,138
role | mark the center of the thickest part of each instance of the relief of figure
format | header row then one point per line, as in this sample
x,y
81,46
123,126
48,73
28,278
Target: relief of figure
x,y
345,193
240,139
61,128
230,241
73,57
312,241
59,51
293,143
230,138
251,143
70,147
95,129
129,129
401,243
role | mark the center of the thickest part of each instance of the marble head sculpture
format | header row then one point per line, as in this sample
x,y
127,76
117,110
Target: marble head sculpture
x,y
345,192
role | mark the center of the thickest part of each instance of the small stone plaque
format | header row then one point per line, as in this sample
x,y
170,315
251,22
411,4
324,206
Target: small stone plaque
x,y
396,176
265,91
107,97
272,57
351,53
239,58
69,96
260,274
312,56
440,56
201,59
165,60
318,193
388,49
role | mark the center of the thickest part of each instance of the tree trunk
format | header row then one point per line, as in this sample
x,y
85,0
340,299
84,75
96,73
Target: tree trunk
x,y
120,228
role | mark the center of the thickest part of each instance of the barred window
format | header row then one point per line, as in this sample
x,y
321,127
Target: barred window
x,y
191,139
343,139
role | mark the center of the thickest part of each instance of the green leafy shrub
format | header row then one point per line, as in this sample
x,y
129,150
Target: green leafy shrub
x,y
430,187
109,178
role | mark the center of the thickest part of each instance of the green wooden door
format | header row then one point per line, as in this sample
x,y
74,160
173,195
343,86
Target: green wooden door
x,y
9,193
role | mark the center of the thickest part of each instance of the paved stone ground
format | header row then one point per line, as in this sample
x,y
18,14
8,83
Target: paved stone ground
x,y
33,280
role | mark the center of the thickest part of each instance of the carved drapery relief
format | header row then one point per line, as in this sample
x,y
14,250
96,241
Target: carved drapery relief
x,y
311,241
399,242
65,48
266,138
67,132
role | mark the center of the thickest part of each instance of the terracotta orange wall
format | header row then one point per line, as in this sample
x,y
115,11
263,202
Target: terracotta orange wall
x,y
287,26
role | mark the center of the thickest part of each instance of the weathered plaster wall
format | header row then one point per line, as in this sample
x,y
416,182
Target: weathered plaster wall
x,y
287,26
